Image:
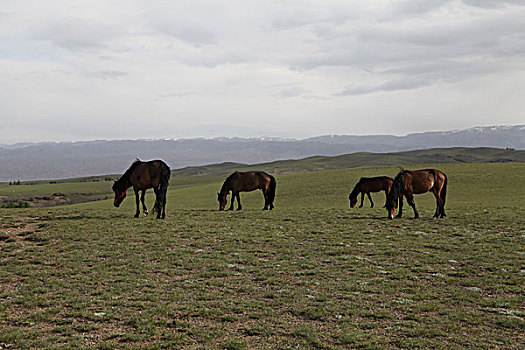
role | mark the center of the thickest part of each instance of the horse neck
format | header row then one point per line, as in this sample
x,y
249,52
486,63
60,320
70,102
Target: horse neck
x,y
124,179
397,186
123,182
356,190
226,186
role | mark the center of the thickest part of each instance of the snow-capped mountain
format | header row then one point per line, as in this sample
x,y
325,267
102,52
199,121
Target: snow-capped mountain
x,y
71,159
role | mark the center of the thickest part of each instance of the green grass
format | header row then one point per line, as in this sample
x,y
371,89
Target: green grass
x,y
43,193
312,274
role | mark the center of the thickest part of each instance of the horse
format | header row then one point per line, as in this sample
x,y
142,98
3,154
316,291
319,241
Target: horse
x,y
365,185
142,176
407,183
245,182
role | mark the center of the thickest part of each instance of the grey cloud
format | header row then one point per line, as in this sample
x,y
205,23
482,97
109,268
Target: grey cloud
x,y
189,31
294,91
108,74
75,33
404,83
402,57
292,18
418,7
493,3
176,94
426,74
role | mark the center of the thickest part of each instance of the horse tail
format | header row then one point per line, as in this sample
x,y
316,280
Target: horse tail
x,y
164,181
165,175
271,189
444,190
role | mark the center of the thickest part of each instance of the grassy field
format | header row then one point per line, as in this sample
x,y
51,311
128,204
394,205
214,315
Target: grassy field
x,y
312,274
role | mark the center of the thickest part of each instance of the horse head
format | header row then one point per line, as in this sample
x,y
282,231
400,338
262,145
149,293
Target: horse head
x,y
391,206
392,197
221,197
353,200
353,195
120,194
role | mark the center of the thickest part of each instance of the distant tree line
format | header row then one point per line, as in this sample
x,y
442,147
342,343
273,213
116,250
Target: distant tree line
x,y
14,183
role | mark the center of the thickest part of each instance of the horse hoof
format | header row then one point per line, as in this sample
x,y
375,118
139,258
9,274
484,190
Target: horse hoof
x,y
146,213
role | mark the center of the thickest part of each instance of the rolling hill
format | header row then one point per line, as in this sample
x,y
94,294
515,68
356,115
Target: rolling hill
x,y
77,159
360,159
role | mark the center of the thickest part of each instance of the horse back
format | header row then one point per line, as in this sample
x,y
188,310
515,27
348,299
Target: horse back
x,y
147,174
375,184
249,181
422,181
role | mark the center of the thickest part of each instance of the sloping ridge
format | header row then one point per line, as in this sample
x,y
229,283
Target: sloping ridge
x,y
353,160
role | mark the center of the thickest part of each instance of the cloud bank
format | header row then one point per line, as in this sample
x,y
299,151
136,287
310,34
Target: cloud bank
x,y
143,69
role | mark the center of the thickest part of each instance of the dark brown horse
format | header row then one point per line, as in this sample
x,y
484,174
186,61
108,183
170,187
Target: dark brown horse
x,y
407,183
142,176
369,184
245,182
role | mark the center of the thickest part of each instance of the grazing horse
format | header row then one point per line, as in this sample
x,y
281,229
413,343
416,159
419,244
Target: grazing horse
x,y
369,184
245,182
143,175
407,183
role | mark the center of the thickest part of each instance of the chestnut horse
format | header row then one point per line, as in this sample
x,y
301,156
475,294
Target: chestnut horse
x,y
369,184
142,176
407,183
245,182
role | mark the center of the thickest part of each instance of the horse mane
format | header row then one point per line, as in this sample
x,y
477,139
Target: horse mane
x,y
397,185
355,191
226,184
404,171
123,180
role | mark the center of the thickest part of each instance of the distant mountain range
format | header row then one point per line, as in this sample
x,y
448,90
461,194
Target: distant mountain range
x,y
50,160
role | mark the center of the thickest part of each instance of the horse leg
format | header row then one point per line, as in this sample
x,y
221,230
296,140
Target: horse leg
x,y
400,210
265,199
158,201
137,213
440,207
370,199
164,195
362,199
239,206
410,201
233,201
270,201
442,214
144,209
156,208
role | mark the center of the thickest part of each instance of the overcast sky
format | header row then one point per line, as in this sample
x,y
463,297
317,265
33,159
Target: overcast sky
x,y
84,70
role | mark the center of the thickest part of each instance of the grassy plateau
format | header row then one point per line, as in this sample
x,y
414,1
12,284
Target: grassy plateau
x,y
311,274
